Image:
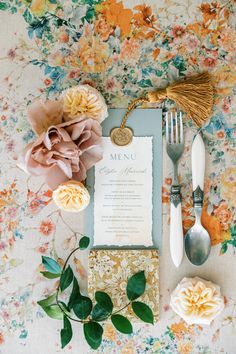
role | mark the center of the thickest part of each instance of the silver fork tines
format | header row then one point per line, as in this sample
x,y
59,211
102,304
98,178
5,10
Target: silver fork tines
x,y
174,128
174,139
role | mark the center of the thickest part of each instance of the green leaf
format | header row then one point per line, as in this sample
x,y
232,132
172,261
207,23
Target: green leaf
x,y
83,307
53,1
75,294
66,332
122,324
179,62
27,16
66,278
3,6
136,285
104,300
145,83
54,311
64,306
103,308
48,301
84,242
99,313
51,265
233,231
224,248
49,275
143,311
93,334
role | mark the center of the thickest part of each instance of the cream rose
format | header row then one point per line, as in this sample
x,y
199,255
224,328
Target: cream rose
x,y
71,196
84,101
197,300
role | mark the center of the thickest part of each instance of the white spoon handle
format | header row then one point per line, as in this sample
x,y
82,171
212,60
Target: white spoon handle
x,y
198,162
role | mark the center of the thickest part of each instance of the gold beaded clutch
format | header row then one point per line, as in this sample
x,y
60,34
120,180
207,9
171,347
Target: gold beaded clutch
x,y
109,271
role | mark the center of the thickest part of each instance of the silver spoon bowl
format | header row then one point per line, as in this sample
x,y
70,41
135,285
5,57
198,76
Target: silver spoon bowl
x,y
197,241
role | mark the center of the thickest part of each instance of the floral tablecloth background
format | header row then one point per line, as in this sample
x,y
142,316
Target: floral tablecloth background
x,y
123,49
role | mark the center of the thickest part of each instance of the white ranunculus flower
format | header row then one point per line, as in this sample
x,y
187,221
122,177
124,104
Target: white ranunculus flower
x,y
197,301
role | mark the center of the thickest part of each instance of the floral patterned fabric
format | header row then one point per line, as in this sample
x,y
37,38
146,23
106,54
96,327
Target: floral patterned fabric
x,y
108,270
122,49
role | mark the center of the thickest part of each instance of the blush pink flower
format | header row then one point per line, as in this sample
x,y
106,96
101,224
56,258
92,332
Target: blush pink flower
x,y
130,50
65,151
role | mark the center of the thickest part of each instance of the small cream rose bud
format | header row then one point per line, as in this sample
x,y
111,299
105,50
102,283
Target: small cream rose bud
x,y
197,301
71,196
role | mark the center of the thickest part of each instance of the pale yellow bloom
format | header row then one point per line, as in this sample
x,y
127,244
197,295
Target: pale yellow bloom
x,y
71,196
84,101
197,301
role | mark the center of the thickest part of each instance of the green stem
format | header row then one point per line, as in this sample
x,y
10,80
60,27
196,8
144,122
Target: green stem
x,y
120,309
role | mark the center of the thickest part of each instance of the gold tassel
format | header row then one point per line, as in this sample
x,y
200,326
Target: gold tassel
x,y
194,96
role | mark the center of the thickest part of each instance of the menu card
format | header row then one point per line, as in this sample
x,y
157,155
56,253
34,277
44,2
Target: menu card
x,y
123,194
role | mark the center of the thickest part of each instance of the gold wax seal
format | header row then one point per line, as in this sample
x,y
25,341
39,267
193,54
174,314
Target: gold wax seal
x,y
121,136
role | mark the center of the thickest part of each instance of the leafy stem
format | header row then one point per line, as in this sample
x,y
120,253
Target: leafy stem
x,y
88,314
66,313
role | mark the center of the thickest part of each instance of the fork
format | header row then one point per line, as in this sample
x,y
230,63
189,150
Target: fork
x,y
174,149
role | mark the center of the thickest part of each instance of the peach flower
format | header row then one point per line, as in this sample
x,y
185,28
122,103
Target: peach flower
x,y
103,28
180,329
223,214
185,347
227,39
94,55
228,186
40,7
178,31
71,196
197,301
130,50
84,101
209,62
214,227
46,227
116,15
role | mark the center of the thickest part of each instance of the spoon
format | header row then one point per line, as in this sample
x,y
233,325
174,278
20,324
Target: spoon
x,y
197,239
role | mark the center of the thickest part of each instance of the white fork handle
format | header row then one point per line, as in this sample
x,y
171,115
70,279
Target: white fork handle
x,y
176,234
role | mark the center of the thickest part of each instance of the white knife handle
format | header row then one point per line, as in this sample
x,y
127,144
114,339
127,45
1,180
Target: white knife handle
x,y
176,234
198,162
176,227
